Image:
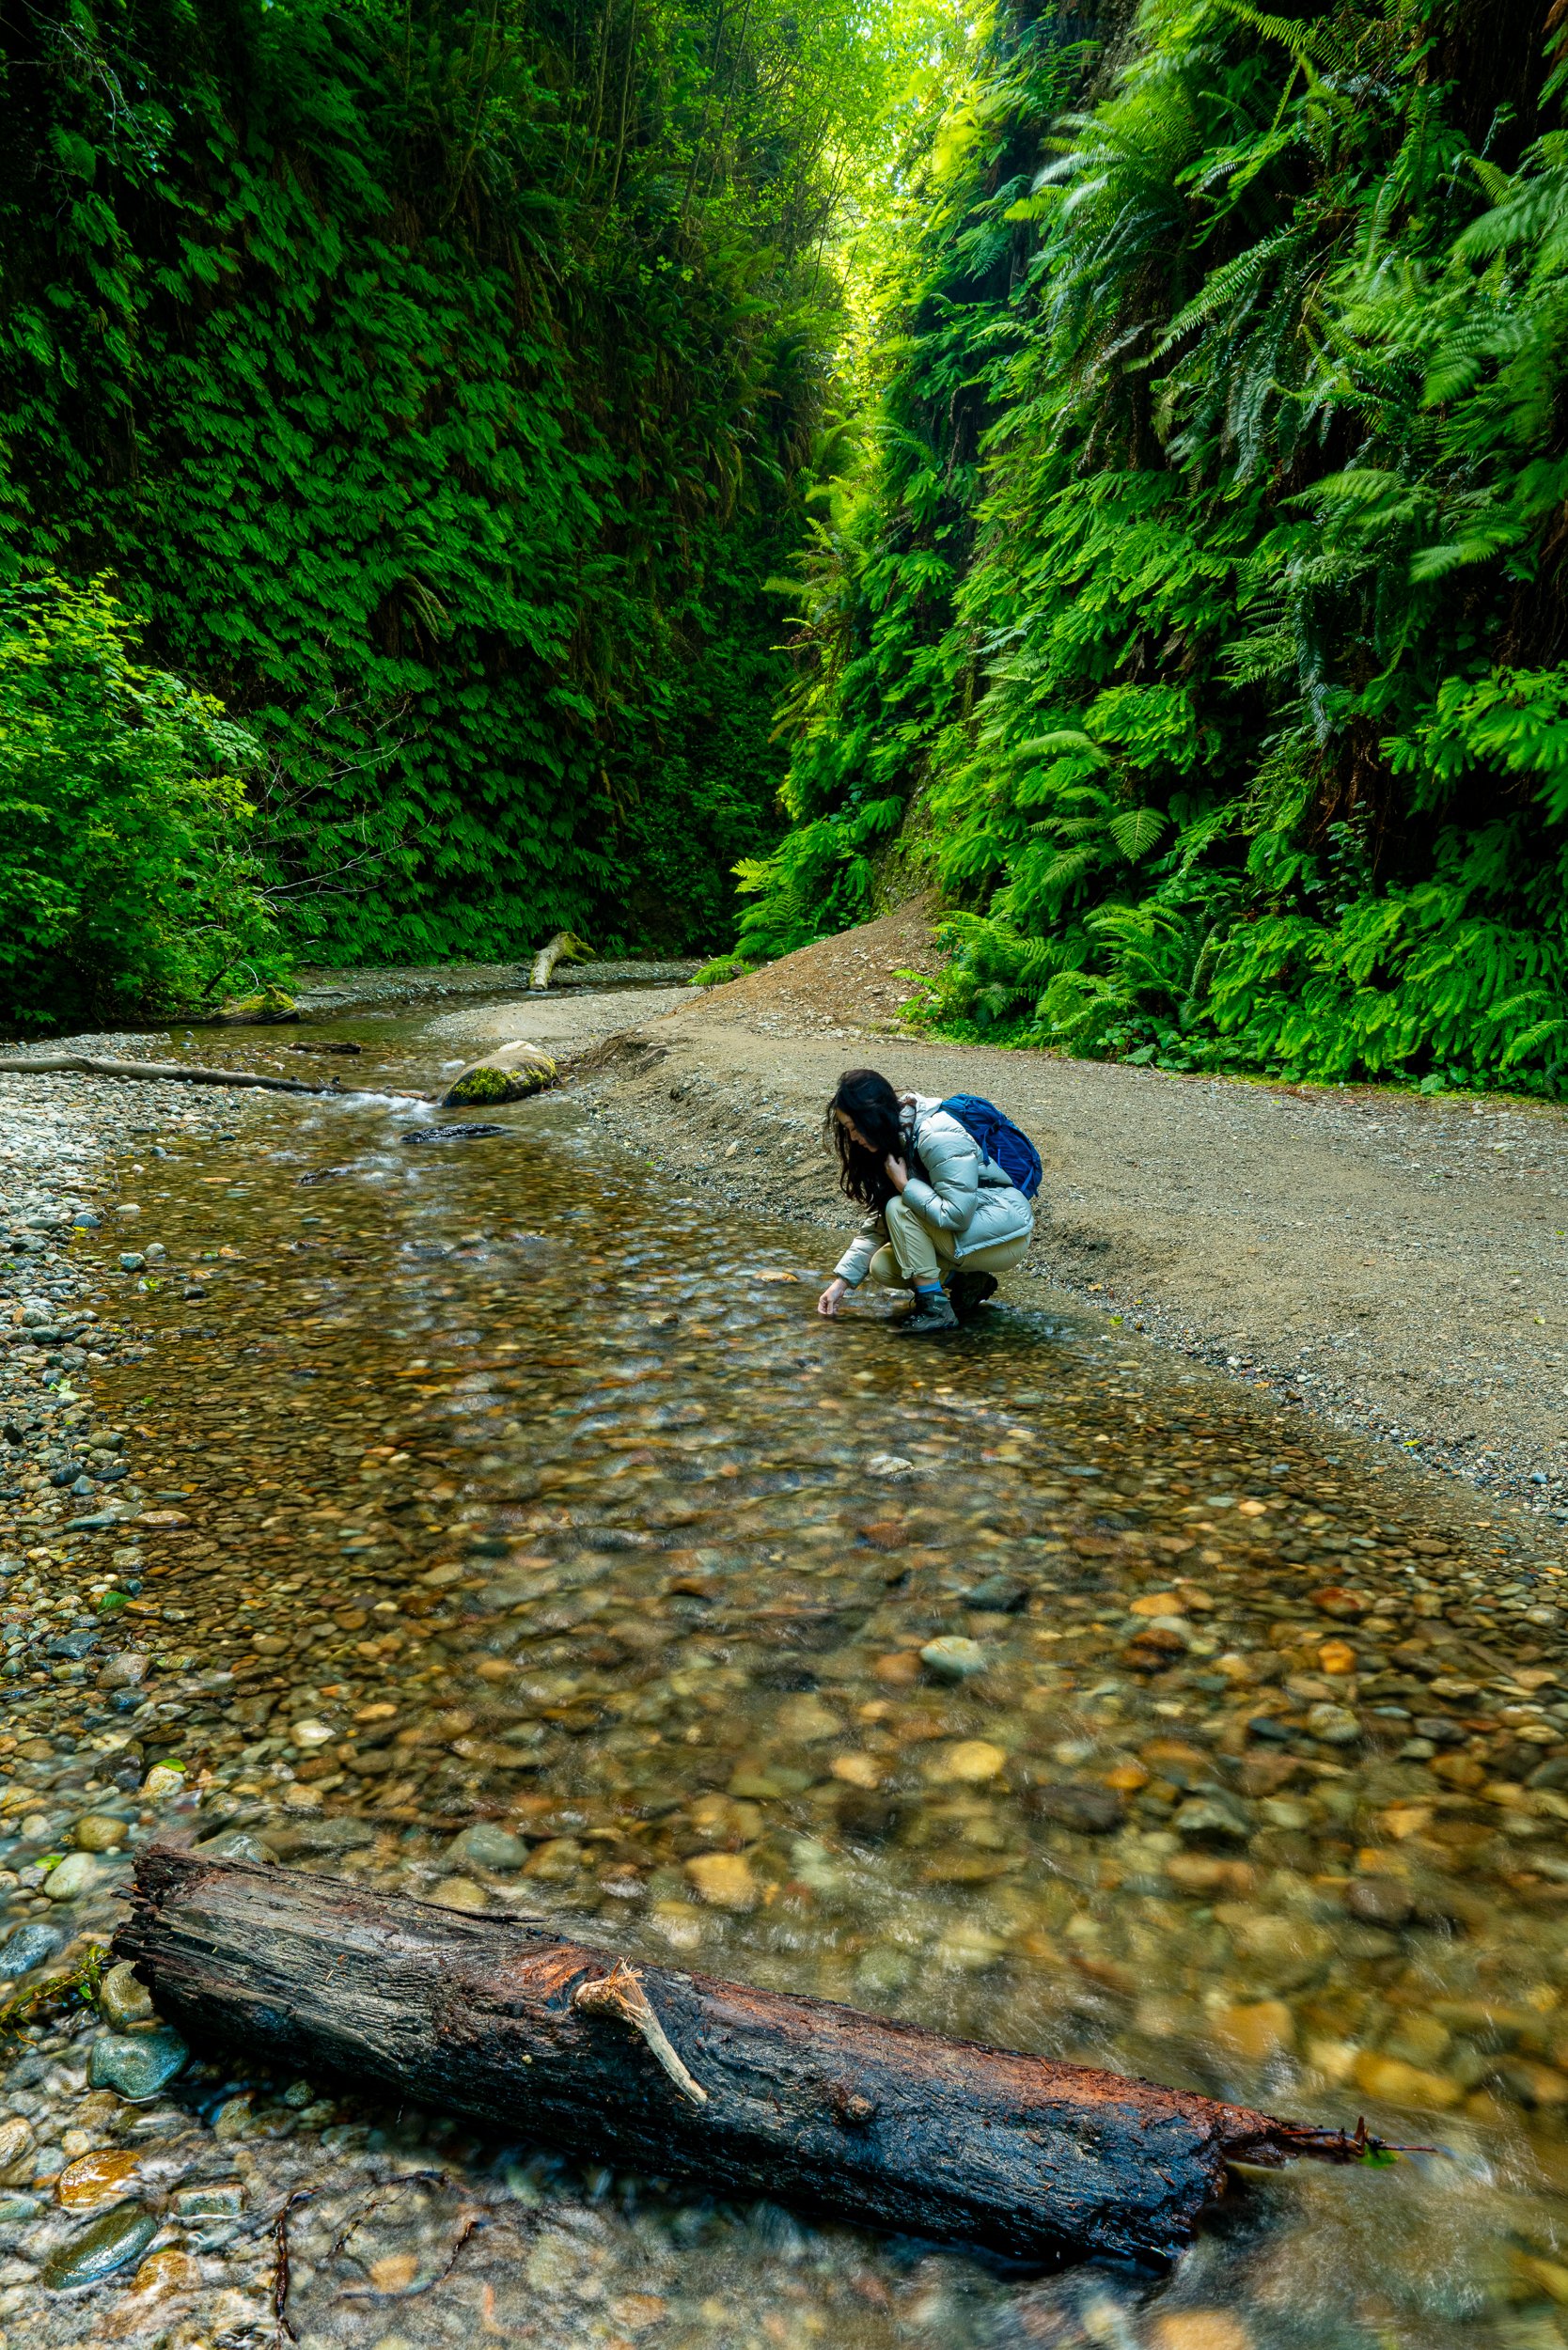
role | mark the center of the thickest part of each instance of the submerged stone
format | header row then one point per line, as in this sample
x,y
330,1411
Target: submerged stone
x,y
30,1945
1335,1725
110,2244
1092,1810
94,2179
75,1876
724,1880
122,1999
952,1657
139,2065
237,1844
487,1846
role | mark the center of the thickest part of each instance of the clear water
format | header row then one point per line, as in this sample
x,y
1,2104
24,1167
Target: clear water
x,y
556,1508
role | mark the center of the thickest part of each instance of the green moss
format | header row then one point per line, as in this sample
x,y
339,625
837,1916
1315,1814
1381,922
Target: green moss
x,y
488,1085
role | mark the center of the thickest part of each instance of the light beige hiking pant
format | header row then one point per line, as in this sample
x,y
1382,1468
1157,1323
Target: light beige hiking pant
x,y
916,1253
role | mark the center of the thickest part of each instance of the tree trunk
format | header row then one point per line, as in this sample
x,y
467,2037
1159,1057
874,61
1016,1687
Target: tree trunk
x,y
746,2091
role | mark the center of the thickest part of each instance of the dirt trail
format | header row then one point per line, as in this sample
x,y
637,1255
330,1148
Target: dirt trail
x,y
1393,1263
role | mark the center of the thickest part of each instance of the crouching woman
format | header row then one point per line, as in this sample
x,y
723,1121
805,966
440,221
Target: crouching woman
x,y
938,1211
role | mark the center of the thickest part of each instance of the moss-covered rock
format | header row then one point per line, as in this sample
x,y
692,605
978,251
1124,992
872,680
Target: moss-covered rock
x,y
268,1009
510,1074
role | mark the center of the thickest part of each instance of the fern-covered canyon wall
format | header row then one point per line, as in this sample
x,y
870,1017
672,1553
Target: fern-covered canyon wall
x,y
1186,601
430,385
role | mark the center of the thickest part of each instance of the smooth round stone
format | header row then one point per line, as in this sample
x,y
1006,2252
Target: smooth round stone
x,y
1257,2028
166,2273
1092,1810
952,1657
1334,1725
1380,1901
1200,2329
459,1893
28,1946
971,1761
109,2244
96,2178
237,1844
162,1780
16,2139
76,1874
312,1733
139,2065
805,1719
724,1881
486,1846
99,1833
121,1998
1202,1815
997,1595
967,1948
125,1671
220,2201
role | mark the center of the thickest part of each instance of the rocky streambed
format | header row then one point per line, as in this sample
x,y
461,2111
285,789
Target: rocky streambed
x,y
484,1521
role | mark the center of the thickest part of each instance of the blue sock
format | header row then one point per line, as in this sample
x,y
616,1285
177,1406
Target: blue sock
x,y
928,1289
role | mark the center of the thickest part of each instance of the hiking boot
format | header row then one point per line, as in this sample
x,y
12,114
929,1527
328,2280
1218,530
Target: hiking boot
x,y
931,1314
969,1290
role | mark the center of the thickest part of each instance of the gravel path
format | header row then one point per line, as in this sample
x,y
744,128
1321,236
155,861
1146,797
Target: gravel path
x,y
1392,1262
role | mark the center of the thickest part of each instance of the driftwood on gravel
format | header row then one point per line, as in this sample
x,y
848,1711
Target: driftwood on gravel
x,y
743,2091
562,948
93,1065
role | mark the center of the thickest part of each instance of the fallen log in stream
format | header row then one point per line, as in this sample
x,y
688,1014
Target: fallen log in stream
x,y
185,1072
743,2091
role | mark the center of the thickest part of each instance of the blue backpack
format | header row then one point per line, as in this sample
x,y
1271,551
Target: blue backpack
x,y
999,1139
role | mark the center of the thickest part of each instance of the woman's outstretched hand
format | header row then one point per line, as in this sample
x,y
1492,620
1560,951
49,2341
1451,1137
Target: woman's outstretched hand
x,y
833,1298
898,1173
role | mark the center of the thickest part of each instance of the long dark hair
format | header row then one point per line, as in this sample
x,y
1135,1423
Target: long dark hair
x,y
865,1096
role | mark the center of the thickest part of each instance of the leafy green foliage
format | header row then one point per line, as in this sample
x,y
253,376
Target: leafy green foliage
x,y
1194,613
127,881
435,379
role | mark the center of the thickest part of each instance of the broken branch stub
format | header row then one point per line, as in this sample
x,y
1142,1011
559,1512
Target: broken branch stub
x,y
743,2090
620,1993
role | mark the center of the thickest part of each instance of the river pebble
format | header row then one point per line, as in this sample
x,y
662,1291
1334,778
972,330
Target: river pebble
x,y
100,2250
139,2066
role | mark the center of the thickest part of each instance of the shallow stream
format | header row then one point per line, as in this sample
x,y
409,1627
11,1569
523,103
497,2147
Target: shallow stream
x,y
517,1535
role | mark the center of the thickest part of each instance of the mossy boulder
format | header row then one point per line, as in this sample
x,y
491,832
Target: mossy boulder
x,y
268,1009
510,1074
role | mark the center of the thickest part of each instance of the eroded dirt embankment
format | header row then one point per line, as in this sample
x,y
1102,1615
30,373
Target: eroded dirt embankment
x,y
1392,1262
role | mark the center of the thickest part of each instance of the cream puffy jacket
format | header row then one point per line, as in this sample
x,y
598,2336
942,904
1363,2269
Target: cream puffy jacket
x,y
962,1192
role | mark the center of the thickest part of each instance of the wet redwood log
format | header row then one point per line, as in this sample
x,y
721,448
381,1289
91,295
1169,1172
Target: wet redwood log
x,y
746,2091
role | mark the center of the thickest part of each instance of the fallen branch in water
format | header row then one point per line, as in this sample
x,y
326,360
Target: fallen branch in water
x,y
744,2091
91,1065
